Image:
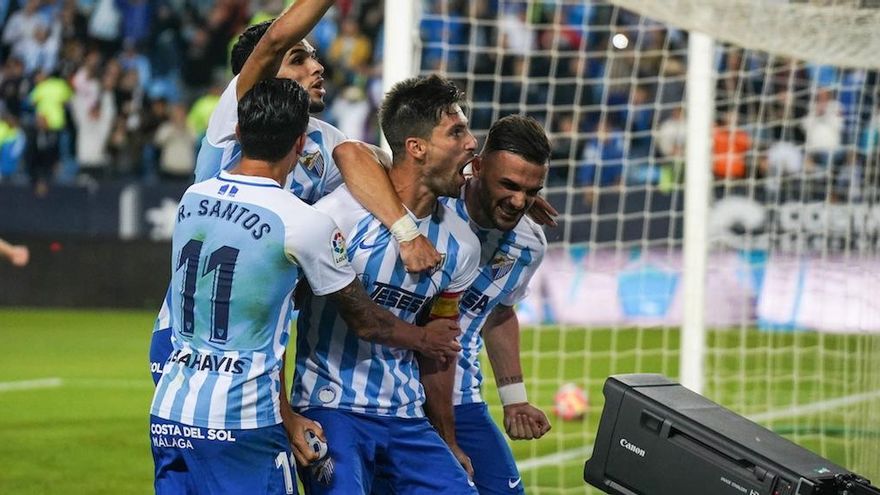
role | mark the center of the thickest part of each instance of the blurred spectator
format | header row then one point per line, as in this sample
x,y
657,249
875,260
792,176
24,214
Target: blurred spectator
x,y
22,24
730,144
153,116
176,142
603,158
94,111
49,97
349,52
39,52
564,141
104,26
672,134
781,162
351,111
201,111
131,58
137,16
12,143
442,29
516,32
14,87
823,128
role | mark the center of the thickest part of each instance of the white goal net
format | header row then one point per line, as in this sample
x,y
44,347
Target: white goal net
x,y
791,292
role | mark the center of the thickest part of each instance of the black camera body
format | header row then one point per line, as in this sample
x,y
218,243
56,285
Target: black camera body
x,y
656,437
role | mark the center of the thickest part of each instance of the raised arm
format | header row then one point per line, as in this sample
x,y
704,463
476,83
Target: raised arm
x,y
501,336
363,167
286,31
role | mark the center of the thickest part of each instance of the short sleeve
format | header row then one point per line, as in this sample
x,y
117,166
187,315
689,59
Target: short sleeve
x,y
319,249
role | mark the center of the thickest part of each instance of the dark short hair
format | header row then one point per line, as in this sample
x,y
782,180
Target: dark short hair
x,y
247,40
414,107
520,135
271,116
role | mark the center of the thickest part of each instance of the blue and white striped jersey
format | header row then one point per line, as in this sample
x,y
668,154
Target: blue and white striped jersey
x,y
239,246
316,174
334,368
508,260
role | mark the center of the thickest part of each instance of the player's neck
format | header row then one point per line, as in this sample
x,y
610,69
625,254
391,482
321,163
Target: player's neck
x,y
413,193
260,168
472,204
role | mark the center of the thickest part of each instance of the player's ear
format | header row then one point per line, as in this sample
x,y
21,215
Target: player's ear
x,y
477,166
417,147
300,144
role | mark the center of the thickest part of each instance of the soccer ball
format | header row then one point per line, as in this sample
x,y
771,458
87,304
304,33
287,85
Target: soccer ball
x,y
570,402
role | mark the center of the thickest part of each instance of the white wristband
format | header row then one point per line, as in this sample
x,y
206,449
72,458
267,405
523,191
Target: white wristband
x,y
515,393
404,229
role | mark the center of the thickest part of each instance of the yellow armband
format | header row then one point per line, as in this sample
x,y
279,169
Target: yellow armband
x,y
446,306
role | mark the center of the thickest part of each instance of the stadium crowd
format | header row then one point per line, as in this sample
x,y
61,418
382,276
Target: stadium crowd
x,y
96,89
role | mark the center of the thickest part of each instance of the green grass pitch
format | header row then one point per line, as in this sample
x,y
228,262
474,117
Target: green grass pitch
x,y
75,393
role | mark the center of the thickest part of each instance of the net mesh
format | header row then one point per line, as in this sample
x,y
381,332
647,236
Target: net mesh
x,y
793,272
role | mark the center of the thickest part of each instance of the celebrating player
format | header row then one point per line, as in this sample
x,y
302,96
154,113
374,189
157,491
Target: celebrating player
x,y
368,397
216,418
505,183
506,180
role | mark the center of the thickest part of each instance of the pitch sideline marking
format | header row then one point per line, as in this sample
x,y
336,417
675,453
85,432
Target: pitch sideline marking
x,y
580,452
30,384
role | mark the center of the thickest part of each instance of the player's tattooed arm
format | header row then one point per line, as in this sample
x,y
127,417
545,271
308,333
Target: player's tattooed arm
x,y
364,168
286,31
375,324
508,380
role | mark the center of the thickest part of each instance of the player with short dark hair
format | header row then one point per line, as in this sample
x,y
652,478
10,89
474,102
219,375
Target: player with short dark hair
x,y
369,397
237,253
506,180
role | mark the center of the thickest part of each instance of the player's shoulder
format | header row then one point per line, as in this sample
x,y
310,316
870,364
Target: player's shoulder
x,y
457,205
529,233
331,134
339,199
342,207
458,227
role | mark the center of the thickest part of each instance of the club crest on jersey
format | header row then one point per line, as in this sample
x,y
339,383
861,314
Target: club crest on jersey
x,y
440,265
501,265
337,244
313,162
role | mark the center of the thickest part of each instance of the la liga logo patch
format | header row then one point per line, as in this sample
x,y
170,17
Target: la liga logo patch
x,y
337,245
